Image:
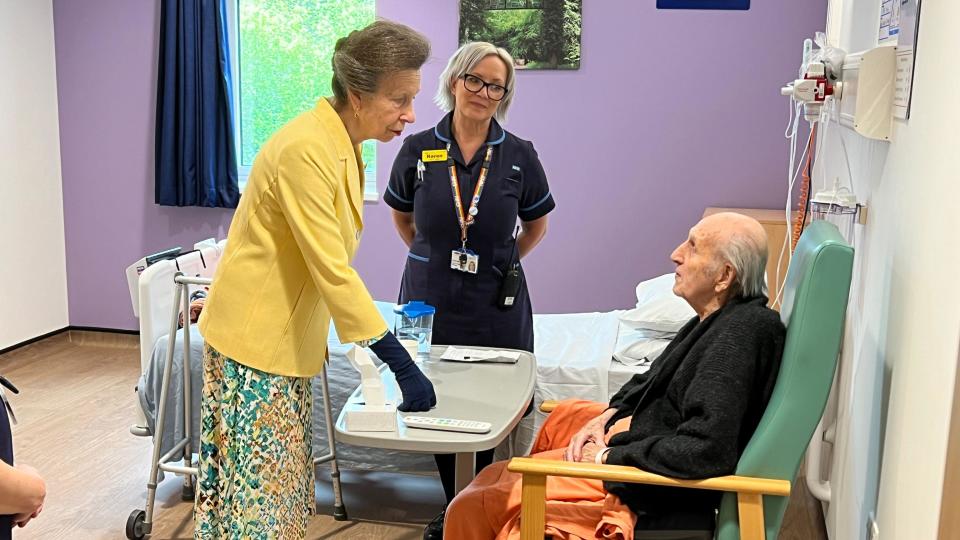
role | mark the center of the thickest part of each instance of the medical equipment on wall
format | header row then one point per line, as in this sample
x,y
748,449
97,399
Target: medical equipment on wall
x,y
834,89
821,85
413,326
839,201
819,78
864,83
871,82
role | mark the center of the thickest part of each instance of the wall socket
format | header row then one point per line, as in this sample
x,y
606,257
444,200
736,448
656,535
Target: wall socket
x,y
873,528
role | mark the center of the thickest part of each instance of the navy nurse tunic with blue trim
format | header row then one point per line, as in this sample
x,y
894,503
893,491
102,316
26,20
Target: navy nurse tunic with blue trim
x,y
516,187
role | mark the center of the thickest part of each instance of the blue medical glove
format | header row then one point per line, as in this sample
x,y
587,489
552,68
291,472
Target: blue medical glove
x,y
418,394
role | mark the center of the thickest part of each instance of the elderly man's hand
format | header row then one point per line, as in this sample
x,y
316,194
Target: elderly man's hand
x,y
592,432
590,451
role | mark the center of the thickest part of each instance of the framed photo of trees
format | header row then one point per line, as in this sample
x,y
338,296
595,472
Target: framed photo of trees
x,y
540,34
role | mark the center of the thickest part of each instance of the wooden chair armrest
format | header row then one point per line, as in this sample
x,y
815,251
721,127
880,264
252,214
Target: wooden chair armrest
x,y
620,473
749,490
549,405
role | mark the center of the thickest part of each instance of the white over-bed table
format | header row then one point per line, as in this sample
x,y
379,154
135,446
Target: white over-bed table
x,y
488,392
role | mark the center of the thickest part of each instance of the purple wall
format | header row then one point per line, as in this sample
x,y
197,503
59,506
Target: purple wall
x,y
636,143
106,79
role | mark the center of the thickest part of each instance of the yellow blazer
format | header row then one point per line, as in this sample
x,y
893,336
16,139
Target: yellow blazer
x,y
286,269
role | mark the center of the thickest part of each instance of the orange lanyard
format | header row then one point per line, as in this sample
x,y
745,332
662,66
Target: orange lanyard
x,y
466,219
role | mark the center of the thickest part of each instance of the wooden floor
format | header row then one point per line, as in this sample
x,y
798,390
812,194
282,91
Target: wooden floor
x,y
77,403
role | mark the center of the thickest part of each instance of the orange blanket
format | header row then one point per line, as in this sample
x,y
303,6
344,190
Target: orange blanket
x,y
577,508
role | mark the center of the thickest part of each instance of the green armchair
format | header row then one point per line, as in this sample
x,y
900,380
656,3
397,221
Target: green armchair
x,y
813,310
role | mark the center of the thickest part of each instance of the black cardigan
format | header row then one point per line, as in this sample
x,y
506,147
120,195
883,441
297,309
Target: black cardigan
x,y
696,408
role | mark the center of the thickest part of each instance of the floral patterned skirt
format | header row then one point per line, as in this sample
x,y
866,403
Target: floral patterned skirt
x,y
256,476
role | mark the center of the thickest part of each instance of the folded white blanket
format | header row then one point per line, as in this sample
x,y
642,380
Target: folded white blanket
x,y
640,347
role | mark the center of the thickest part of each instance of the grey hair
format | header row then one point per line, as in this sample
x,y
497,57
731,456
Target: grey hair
x,y
465,59
747,253
364,57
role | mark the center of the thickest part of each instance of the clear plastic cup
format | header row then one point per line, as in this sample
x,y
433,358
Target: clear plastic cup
x,y
412,347
413,327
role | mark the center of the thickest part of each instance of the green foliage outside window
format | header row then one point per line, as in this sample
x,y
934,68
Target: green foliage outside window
x,y
285,48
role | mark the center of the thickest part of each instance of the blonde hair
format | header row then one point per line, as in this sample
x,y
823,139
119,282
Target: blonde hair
x,y
465,59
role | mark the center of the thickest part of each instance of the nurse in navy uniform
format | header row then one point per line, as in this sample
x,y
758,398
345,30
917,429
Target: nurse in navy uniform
x,y
457,192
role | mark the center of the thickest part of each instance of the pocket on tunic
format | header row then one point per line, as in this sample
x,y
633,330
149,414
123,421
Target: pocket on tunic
x,y
511,186
416,277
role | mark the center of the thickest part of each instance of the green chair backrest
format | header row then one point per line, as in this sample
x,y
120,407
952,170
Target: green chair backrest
x,y
813,310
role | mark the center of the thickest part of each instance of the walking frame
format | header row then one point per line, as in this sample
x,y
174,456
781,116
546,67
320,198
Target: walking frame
x,y
140,522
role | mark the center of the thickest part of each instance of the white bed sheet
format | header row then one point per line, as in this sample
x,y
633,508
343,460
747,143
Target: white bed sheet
x,y
574,360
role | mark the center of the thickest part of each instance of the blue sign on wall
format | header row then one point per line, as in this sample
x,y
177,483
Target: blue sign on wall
x,y
703,4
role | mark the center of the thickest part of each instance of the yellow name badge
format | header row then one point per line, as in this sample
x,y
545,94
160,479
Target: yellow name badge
x,y
434,155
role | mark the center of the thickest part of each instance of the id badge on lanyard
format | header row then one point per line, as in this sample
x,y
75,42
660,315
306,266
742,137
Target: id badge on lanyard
x,y
463,259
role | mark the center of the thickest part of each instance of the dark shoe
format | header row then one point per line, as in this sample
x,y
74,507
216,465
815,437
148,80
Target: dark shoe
x,y
434,529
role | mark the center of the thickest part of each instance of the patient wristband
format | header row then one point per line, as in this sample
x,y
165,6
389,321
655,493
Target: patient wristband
x,y
599,459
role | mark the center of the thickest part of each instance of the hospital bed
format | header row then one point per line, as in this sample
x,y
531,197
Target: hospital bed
x,y
574,358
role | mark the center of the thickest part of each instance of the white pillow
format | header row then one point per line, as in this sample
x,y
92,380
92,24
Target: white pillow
x,y
658,309
654,288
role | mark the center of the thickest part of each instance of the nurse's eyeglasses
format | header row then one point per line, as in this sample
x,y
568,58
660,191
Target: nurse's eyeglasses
x,y
476,84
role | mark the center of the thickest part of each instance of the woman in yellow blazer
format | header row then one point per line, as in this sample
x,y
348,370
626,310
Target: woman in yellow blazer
x,y
285,273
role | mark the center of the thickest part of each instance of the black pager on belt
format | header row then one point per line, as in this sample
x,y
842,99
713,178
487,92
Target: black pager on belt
x,y
509,287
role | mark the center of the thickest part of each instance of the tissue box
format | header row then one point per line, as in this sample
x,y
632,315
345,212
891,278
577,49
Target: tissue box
x,y
359,418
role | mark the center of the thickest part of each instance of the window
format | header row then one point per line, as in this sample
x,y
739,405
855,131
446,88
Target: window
x,y
280,64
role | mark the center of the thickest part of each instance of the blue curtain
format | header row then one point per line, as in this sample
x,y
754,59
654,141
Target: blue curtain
x,y
195,154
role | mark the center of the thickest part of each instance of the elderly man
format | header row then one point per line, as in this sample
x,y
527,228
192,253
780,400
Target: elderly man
x,y
689,416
